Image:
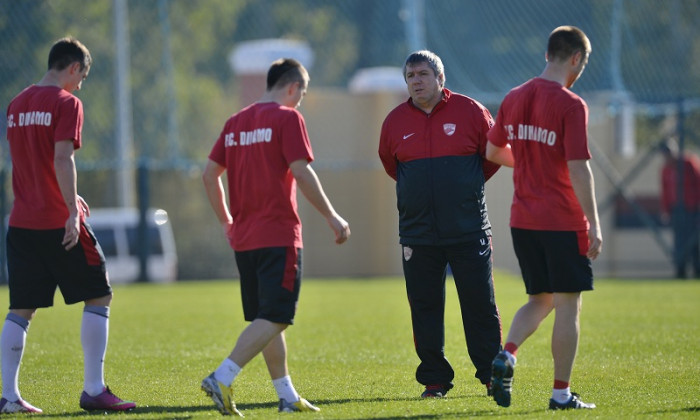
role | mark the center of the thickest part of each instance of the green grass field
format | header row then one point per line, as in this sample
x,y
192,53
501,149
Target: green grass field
x,y
351,353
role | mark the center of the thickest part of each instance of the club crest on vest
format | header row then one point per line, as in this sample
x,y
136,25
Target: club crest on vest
x,y
449,128
407,253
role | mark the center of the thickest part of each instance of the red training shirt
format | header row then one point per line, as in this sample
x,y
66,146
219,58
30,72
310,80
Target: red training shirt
x,y
545,124
691,184
256,147
37,118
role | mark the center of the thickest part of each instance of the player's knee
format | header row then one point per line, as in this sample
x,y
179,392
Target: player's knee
x,y
101,301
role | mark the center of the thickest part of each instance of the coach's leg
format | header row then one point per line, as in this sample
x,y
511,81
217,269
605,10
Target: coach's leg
x,y
567,307
425,270
472,268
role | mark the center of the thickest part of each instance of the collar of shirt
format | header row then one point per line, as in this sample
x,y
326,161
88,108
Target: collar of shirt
x,y
446,93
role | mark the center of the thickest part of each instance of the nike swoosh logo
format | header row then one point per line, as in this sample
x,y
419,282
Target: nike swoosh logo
x,y
484,251
408,135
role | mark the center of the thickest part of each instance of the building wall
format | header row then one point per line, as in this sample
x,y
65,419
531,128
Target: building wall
x,y
344,131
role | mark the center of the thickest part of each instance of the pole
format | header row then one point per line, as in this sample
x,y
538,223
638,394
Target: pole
x,y
144,240
414,24
681,229
124,140
616,47
173,135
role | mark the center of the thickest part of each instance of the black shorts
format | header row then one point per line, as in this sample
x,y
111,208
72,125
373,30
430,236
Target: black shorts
x,y
37,263
553,261
270,283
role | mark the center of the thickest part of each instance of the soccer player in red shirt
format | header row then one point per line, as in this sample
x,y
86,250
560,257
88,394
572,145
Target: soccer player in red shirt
x,y
540,132
49,243
265,151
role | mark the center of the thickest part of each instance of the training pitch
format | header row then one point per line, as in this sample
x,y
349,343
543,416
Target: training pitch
x,y
351,352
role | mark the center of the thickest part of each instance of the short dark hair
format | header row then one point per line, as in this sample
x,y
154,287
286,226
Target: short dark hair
x,y
67,51
425,56
566,41
284,71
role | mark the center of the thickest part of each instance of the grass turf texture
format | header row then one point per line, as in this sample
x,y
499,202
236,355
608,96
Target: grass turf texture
x,y
351,353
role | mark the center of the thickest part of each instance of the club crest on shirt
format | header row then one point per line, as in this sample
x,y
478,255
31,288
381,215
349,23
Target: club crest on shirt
x,y
449,128
407,253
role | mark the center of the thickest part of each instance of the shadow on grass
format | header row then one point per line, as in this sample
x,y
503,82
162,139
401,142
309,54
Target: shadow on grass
x,y
160,412
451,414
171,412
462,414
677,410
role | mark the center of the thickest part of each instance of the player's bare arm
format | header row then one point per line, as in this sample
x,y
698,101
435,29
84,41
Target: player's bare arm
x,y
311,187
215,192
64,164
583,184
500,155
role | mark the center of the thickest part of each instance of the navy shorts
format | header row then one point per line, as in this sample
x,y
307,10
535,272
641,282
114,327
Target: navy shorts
x,y
553,261
37,263
270,283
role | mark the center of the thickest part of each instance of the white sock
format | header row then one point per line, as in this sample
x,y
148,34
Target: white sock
x,y
561,395
511,358
285,389
227,372
94,332
12,340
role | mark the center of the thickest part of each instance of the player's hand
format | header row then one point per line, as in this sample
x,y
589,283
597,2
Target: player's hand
x,y
84,205
595,240
72,233
226,227
340,227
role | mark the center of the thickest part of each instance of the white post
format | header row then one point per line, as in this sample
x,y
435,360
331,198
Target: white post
x,y
414,24
124,134
622,102
172,131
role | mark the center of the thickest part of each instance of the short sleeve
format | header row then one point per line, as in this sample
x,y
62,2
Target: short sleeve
x,y
497,133
218,152
295,139
70,123
575,133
